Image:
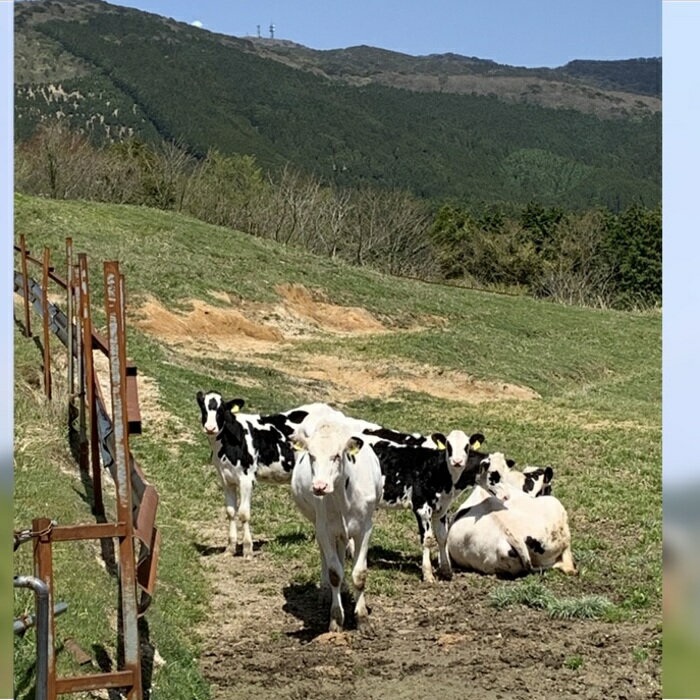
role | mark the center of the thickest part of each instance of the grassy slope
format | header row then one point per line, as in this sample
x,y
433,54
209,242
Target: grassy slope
x,y
598,422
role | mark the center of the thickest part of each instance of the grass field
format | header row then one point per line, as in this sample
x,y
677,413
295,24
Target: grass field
x,y
595,419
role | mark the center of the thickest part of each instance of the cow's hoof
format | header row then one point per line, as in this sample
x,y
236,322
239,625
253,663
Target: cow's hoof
x,y
445,574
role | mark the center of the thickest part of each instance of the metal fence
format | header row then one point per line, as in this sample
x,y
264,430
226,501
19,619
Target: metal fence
x,y
103,442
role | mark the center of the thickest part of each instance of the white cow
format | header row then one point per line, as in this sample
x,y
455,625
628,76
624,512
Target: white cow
x,y
500,529
337,484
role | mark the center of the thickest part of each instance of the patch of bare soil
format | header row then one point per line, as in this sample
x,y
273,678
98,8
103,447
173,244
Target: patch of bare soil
x,y
349,319
267,637
255,331
348,380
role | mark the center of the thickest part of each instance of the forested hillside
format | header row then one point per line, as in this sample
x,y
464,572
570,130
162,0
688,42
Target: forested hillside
x,y
132,74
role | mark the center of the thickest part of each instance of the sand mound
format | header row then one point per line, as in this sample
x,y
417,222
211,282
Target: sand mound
x,y
348,319
205,323
348,380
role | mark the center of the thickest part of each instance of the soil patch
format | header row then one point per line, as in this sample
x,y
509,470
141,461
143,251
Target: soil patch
x,y
348,319
256,332
267,637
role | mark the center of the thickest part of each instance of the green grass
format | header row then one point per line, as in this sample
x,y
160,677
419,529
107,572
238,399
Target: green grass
x,y
534,594
597,423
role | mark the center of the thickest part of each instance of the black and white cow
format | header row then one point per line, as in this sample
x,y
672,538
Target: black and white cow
x,y
425,477
249,447
504,528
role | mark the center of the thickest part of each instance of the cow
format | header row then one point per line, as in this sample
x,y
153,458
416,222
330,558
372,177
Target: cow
x,y
250,447
504,529
425,477
337,485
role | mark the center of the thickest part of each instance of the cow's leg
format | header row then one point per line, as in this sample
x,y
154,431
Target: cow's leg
x,y
566,562
231,496
423,516
244,513
329,548
325,590
440,528
359,574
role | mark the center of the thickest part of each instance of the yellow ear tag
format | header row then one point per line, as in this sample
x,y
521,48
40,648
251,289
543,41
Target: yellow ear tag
x,y
353,450
440,445
297,445
476,445
235,408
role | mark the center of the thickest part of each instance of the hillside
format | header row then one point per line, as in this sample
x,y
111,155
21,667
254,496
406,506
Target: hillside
x,y
209,307
114,72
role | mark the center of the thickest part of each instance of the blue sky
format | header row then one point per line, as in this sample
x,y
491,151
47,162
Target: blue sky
x,y
518,32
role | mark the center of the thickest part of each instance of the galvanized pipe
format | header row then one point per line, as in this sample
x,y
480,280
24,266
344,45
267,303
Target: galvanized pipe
x,y
22,624
41,593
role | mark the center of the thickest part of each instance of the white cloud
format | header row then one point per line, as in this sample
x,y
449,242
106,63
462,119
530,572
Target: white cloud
x,y
197,23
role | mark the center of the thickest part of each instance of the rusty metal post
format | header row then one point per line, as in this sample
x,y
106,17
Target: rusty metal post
x,y
80,370
69,314
127,564
25,286
43,569
45,321
90,380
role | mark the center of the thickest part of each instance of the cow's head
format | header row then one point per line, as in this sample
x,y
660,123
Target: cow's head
x,y
209,405
226,420
493,475
332,448
538,481
457,445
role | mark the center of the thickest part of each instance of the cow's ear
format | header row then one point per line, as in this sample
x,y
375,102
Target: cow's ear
x,y
548,474
354,446
236,405
476,440
200,398
510,463
440,440
485,464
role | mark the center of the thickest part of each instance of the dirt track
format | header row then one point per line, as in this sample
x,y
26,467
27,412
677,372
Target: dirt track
x,y
266,637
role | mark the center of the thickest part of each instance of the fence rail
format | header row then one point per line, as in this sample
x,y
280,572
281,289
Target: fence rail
x,y
103,443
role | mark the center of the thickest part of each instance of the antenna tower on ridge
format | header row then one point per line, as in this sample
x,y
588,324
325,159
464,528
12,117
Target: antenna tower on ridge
x,y
272,31
258,31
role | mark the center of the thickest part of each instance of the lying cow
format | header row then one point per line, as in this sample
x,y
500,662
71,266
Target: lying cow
x,y
248,447
337,484
504,529
424,477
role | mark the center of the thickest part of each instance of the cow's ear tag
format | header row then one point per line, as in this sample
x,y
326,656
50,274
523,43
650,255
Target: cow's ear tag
x,y
353,449
476,445
235,408
440,445
297,445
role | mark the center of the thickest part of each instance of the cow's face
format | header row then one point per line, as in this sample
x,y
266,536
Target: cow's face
x,y
331,448
493,475
457,445
209,404
538,481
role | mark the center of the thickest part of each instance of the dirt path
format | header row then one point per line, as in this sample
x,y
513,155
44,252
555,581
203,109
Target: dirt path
x,y
266,637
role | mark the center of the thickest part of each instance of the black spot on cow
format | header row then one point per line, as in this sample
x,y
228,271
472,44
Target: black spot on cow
x,y
347,482
529,483
395,436
279,421
461,514
232,438
271,446
334,577
494,478
534,544
297,416
513,553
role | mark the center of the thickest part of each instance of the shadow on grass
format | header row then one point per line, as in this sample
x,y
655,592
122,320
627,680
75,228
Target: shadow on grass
x,y
208,550
307,603
379,557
